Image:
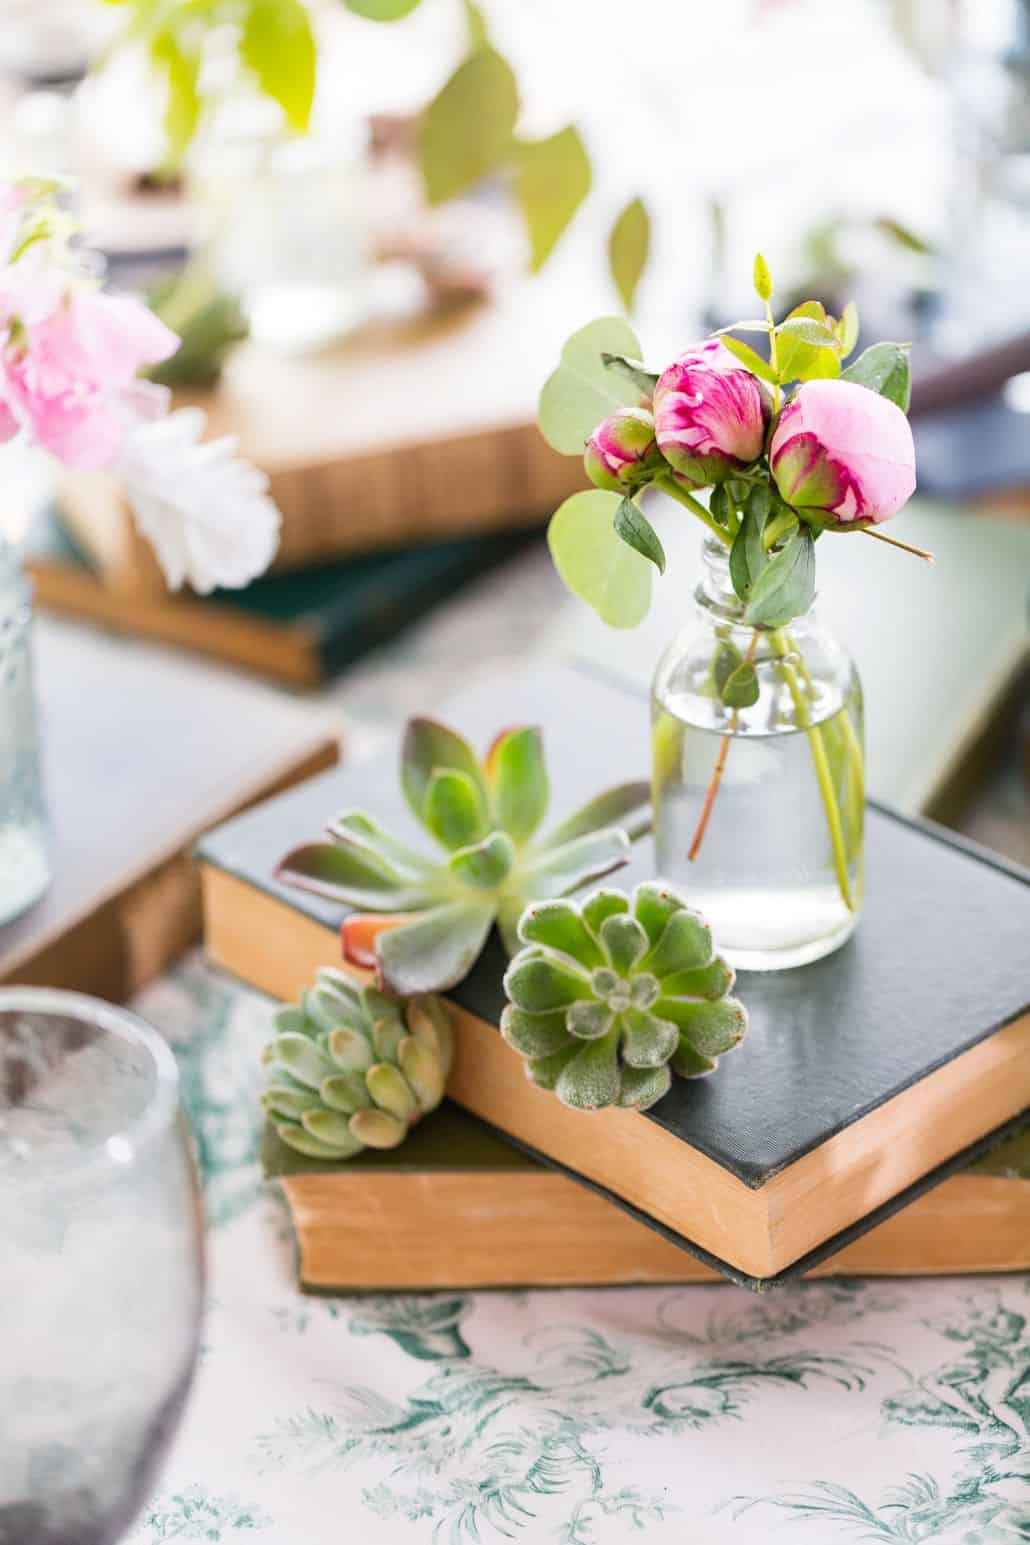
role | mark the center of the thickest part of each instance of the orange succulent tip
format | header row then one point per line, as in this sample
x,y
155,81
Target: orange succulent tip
x,y
360,931
496,744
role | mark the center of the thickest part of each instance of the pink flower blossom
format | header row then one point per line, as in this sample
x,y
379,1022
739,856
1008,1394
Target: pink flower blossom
x,y
710,415
621,451
69,379
844,451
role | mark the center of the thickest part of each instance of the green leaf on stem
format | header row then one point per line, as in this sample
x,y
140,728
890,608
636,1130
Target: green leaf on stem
x,y
809,308
633,370
628,247
482,91
786,586
381,10
476,31
847,329
720,505
806,329
748,557
748,357
634,528
727,659
183,107
904,236
552,178
582,392
595,563
762,278
884,368
741,689
803,362
278,44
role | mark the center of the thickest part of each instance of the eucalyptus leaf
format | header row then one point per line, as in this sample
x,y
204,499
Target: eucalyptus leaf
x,y
884,368
466,130
278,44
747,356
628,248
595,563
552,178
633,370
582,392
786,586
799,361
809,308
634,528
476,31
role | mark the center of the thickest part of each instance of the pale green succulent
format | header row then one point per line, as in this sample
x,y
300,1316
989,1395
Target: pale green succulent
x,y
435,915
608,999
349,1068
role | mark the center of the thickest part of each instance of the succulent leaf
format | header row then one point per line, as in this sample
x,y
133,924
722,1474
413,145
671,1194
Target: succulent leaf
x,y
590,857
519,787
601,904
362,1083
534,1035
434,915
627,805
608,999
454,810
436,949
485,866
430,747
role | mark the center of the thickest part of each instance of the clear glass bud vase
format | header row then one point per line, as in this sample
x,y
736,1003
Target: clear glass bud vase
x,y
759,807
24,832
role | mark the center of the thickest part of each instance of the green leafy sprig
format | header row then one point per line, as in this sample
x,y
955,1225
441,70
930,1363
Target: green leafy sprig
x,y
604,546
422,922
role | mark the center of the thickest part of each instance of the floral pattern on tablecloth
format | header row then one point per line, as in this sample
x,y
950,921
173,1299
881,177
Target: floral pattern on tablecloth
x,y
892,1411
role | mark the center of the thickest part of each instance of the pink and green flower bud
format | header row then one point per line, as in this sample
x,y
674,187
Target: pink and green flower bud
x,y
710,415
622,453
842,455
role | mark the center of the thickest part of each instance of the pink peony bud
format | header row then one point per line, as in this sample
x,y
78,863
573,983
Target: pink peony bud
x,y
621,453
843,451
710,415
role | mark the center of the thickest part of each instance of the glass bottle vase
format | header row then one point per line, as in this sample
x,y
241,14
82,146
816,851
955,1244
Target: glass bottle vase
x,y
759,808
24,830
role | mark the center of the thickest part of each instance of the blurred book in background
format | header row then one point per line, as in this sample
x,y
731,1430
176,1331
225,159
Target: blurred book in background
x,y
300,628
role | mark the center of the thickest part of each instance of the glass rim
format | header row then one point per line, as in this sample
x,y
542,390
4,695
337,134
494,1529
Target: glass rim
x,y
122,1147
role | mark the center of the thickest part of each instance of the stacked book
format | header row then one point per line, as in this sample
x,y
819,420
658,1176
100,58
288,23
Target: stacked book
x,y
401,469
865,1124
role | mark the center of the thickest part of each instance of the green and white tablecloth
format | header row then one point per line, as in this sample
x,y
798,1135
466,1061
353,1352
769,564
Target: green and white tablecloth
x,y
838,1411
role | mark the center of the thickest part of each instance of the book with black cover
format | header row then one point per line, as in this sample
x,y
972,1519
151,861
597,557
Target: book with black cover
x,y
300,627
860,1077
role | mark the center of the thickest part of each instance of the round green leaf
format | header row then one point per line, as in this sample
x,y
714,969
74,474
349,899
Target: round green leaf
x,y
381,10
583,391
467,128
595,562
552,178
277,43
628,247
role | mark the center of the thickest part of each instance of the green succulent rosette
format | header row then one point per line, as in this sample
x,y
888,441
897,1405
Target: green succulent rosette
x,y
349,1068
430,917
608,999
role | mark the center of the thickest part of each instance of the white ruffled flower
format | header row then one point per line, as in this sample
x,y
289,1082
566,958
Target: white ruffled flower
x,y
205,512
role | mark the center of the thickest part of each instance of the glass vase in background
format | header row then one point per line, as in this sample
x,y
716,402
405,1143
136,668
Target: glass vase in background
x,y
101,1270
24,830
759,810
285,223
